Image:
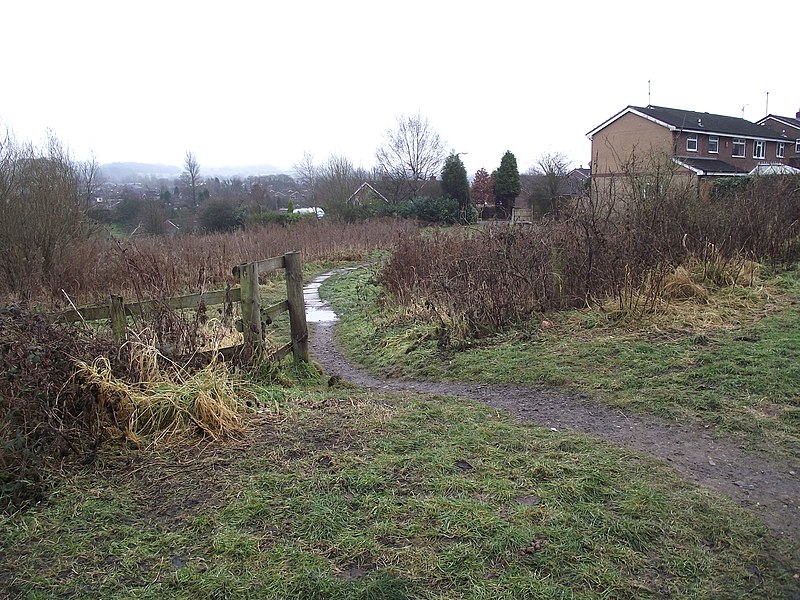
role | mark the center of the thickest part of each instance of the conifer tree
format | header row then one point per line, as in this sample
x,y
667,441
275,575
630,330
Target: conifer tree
x,y
507,184
455,184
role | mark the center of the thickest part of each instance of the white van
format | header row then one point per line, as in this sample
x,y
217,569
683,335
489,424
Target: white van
x,y
310,211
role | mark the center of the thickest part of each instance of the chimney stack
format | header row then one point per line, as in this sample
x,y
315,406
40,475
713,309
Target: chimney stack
x,y
798,114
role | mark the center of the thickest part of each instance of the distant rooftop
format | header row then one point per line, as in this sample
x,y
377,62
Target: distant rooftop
x,y
694,121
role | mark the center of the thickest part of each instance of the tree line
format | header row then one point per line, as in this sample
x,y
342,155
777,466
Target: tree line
x,y
413,176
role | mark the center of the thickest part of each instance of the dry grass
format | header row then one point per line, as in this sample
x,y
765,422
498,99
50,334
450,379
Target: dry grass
x,y
164,267
168,400
680,285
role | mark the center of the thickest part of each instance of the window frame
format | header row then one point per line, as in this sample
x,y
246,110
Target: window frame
x,y
797,146
692,138
740,142
780,150
715,140
762,145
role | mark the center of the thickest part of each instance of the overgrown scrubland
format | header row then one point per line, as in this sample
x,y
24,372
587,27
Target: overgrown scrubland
x,y
89,270
66,391
628,256
681,307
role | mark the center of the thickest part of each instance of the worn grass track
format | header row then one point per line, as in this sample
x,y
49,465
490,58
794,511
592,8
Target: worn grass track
x,y
738,374
767,483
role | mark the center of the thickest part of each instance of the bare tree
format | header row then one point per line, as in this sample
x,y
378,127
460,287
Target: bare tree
x,y
153,217
8,167
551,176
411,154
328,184
307,176
42,210
89,180
191,174
338,180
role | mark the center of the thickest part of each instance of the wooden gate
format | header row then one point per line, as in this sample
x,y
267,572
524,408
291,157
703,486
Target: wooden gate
x,y
117,312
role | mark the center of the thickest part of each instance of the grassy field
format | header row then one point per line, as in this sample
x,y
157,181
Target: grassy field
x,y
340,493
732,364
336,492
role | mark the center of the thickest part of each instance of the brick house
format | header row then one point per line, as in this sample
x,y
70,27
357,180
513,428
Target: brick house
x,y
788,128
703,145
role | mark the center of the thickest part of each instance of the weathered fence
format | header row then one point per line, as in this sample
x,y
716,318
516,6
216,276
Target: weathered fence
x,y
521,215
247,293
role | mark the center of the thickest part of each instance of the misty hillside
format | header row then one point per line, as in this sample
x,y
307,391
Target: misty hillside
x,y
128,171
131,171
241,171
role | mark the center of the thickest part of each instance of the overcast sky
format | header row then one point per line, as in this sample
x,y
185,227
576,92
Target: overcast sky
x,y
261,82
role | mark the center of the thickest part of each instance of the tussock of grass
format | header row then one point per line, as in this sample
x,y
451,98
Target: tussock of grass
x,y
167,402
681,285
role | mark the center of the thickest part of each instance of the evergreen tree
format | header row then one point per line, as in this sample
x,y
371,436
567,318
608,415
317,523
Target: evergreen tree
x,y
455,184
506,184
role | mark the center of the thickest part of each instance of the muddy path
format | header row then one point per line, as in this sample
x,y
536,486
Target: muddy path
x,y
767,486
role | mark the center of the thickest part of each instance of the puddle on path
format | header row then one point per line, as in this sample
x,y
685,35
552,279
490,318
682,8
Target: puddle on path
x,y
317,310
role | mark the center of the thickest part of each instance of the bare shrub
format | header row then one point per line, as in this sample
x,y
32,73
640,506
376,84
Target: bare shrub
x,y
633,252
91,269
43,204
45,416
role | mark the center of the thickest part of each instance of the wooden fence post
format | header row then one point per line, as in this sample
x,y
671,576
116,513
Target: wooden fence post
x,y
297,305
251,308
119,322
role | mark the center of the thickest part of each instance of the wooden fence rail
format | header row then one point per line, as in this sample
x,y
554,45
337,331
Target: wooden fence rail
x,y
521,215
117,312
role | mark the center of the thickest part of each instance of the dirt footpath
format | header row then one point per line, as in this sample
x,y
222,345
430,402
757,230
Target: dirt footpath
x,y
768,487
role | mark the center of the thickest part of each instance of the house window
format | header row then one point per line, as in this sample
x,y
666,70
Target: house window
x,y
779,150
738,148
758,149
797,147
691,143
713,144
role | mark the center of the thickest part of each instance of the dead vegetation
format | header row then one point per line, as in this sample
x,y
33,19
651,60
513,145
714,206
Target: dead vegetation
x,y
632,258
166,399
89,270
66,391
